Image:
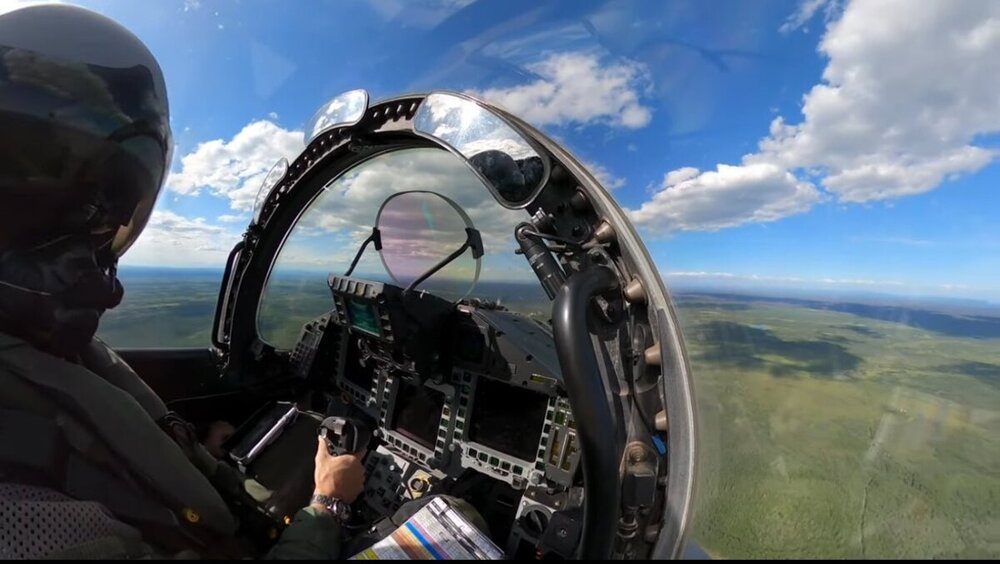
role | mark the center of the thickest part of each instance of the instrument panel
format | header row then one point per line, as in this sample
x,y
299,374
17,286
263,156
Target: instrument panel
x,y
489,399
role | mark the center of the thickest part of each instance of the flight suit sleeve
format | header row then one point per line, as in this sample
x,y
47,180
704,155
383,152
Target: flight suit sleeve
x,y
314,534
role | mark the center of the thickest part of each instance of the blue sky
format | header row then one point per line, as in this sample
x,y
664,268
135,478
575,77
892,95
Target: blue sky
x,y
784,143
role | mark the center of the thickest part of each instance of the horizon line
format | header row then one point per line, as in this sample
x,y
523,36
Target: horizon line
x,y
691,286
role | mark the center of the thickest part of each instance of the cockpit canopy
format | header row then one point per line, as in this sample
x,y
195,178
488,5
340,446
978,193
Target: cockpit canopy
x,y
422,201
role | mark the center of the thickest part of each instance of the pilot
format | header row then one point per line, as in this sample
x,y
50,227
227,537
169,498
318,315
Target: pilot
x,y
514,179
92,464
503,173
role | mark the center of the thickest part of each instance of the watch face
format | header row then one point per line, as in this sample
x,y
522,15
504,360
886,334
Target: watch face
x,y
336,507
340,509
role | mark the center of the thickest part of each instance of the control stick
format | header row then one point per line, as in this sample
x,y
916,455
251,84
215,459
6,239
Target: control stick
x,y
345,435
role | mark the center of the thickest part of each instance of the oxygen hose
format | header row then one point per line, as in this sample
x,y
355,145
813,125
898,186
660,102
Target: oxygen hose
x,y
540,259
589,401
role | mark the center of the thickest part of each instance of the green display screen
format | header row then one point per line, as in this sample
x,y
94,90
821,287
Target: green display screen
x,y
363,317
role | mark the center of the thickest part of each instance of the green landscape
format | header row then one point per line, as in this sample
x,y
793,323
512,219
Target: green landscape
x,y
829,429
831,435
163,308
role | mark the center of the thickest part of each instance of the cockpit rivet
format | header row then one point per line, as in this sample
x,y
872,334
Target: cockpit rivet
x,y
605,233
635,293
653,355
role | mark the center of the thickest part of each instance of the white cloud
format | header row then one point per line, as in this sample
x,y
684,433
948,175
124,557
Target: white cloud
x,y
352,202
330,232
726,197
273,116
171,239
902,100
191,5
576,89
234,169
805,12
418,13
901,106
675,177
604,176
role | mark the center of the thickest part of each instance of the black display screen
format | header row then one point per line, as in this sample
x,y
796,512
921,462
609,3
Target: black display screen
x,y
418,413
508,418
363,317
360,376
470,345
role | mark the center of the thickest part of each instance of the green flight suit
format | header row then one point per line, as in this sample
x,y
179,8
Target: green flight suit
x,y
90,432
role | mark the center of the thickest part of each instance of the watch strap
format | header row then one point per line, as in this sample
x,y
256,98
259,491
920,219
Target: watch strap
x,y
338,508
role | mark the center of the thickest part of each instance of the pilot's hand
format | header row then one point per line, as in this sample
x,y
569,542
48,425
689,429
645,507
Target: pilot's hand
x,y
218,433
341,477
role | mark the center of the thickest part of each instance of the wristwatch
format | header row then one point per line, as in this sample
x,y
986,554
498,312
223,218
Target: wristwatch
x,y
338,508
